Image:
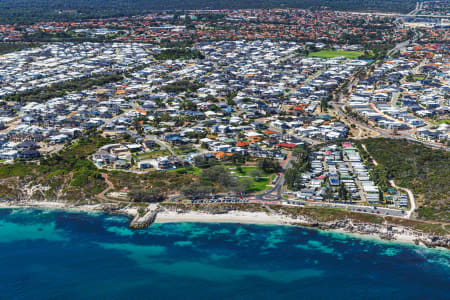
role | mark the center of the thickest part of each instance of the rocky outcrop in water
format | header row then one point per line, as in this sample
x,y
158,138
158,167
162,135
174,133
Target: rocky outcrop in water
x,y
434,241
384,231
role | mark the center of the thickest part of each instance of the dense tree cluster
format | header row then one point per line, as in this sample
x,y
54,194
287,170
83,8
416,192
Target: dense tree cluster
x,y
300,166
269,165
205,162
179,53
27,12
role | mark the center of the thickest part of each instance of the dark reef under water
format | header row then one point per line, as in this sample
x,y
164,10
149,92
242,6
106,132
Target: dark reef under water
x,y
51,254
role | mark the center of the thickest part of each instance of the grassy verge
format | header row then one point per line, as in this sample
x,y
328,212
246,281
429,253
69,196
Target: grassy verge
x,y
183,151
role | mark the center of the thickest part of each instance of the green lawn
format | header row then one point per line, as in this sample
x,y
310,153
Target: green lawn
x,y
245,170
257,186
336,53
446,121
418,77
186,170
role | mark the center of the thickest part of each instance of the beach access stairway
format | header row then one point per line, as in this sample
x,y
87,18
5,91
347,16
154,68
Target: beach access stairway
x,y
141,222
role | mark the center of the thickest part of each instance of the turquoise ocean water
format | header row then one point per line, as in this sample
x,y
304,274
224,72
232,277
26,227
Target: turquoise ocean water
x,y
49,254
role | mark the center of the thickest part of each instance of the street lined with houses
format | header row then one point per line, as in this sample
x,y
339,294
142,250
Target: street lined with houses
x,y
280,117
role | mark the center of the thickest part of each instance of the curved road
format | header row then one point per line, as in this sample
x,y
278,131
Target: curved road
x,y
412,201
275,193
384,133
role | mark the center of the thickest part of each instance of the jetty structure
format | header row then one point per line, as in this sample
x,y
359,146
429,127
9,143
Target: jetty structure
x,y
141,222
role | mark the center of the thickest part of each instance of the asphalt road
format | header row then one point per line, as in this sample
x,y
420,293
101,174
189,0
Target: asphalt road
x,y
355,208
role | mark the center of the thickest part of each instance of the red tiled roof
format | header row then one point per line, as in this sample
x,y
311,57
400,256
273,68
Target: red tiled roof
x,y
269,132
287,145
242,144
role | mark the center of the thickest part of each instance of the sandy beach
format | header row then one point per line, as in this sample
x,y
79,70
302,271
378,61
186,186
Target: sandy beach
x,y
402,234
230,217
260,218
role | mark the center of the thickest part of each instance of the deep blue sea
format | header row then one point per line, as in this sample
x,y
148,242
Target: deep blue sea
x,y
50,254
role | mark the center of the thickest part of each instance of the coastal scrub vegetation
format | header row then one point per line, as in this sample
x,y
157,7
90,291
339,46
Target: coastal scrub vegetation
x,y
379,173
163,182
66,36
148,195
15,46
423,170
183,85
69,174
327,214
62,88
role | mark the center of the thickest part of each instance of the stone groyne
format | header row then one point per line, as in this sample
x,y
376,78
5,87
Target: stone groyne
x,y
141,222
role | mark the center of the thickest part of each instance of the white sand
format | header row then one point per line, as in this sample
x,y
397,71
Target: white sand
x,y
230,217
264,218
167,216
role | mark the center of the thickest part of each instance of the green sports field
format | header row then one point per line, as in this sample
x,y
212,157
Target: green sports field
x,y
336,53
